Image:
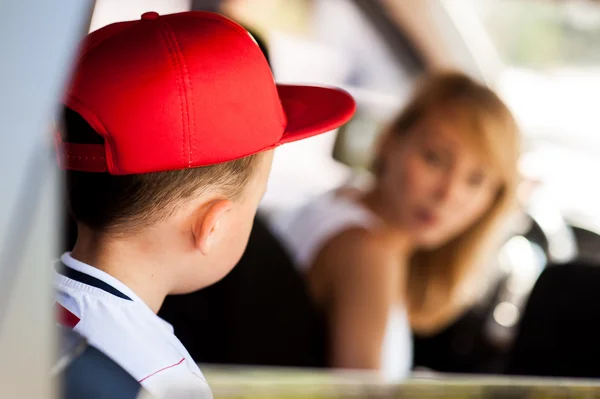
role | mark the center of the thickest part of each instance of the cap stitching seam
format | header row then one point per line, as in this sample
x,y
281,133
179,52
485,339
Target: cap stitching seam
x,y
175,66
187,86
238,29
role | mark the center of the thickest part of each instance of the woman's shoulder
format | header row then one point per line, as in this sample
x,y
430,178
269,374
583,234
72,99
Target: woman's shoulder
x,y
308,229
360,243
360,262
358,251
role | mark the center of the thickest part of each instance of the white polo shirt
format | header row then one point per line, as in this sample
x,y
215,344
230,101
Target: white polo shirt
x,y
117,322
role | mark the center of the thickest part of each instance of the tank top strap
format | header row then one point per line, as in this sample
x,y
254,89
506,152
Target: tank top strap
x,y
307,230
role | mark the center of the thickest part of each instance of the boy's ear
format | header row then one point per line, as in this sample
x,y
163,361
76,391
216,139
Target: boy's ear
x,y
207,222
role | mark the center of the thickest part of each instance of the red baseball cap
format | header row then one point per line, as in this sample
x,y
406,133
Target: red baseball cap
x,y
186,90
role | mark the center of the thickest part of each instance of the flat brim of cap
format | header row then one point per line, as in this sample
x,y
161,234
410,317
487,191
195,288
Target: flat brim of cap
x,y
312,110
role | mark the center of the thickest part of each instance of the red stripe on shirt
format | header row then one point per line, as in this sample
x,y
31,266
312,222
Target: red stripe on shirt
x,y
65,317
163,369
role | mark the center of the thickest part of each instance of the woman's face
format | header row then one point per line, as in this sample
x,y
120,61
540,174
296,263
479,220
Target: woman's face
x,y
434,182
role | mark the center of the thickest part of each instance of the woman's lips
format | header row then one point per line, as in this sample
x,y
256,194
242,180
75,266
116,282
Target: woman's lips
x,y
426,217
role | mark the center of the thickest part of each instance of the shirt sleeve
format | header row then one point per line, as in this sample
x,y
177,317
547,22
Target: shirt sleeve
x,y
177,382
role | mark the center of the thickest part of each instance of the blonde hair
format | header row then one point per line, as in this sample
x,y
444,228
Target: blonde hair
x,y
435,279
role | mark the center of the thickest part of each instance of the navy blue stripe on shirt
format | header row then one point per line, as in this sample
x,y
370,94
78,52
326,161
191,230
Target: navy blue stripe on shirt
x,y
89,280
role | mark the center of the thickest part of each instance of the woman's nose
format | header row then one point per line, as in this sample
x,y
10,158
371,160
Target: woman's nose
x,y
450,192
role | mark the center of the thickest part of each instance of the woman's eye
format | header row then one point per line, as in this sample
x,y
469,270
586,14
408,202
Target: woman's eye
x,y
432,158
476,179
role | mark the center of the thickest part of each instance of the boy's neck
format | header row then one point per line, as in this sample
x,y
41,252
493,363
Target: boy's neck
x,y
130,262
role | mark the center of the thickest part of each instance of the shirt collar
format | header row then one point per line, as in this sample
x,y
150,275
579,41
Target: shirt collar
x,y
89,270
84,268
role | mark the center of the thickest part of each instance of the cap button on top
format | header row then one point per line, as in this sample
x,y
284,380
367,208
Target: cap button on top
x,y
150,15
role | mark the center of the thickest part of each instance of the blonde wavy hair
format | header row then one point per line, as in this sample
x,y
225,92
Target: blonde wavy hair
x,y
437,277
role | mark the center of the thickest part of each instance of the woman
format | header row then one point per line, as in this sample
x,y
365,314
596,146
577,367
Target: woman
x,y
396,257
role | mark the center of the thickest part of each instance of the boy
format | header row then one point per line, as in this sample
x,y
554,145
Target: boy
x,y
169,127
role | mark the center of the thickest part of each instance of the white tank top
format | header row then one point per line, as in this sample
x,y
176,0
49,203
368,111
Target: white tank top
x,y
304,233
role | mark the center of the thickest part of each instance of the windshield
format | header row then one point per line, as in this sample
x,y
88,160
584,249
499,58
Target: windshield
x,y
542,34
550,77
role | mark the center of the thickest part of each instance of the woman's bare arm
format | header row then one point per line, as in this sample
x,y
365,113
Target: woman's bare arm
x,y
364,277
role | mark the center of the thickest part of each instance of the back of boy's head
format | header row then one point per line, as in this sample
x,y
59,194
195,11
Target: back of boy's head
x,y
103,202
125,203
162,108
